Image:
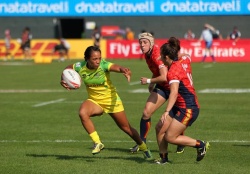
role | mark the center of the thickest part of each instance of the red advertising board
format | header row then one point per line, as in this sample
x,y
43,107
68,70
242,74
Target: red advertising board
x,y
107,31
224,50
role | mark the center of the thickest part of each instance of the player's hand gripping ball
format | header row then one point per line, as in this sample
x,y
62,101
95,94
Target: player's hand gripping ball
x,y
71,79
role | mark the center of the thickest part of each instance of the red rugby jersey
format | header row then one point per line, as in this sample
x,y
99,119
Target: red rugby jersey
x,y
154,64
181,71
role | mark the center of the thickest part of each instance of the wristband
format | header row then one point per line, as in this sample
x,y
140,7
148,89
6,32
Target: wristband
x,y
148,81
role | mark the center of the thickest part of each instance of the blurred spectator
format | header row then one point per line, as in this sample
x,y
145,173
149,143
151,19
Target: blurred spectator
x,y
152,33
7,40
26,43
189,35
215,32
207,36
119,34
96,36
234,35
63,49
129,34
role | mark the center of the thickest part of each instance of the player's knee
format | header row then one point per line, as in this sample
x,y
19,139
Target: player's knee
x,y
169,138
146,114
83,115
158,127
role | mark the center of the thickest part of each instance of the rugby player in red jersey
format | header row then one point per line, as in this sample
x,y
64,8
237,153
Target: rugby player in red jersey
x,y
182,108
157,85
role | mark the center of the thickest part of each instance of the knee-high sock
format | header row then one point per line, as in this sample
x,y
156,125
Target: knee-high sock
x,y
144,128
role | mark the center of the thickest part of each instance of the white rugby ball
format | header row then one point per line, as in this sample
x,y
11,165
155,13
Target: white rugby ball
x,y
72,78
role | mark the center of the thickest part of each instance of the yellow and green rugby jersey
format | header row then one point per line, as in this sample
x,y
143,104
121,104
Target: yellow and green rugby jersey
x,y
97,81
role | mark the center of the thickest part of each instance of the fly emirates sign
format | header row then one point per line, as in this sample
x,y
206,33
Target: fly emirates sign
x,y
224,51
123,49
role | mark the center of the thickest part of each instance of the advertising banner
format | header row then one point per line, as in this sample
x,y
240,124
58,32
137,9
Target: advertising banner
x,y
109,31
224,50
42,49
58,8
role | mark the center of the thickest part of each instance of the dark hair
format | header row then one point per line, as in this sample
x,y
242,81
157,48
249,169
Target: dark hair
x,y
171,48
27,28
89,50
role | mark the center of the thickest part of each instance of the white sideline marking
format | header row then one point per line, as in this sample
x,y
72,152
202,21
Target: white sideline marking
x,y
215,90
49,102
208,66
135,83
16,63
140,90
30,90
117,141
224,90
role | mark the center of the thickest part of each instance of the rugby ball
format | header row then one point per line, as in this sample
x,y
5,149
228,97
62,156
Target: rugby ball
x,y
72,78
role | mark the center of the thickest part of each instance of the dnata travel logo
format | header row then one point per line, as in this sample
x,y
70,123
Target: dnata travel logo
x,y
115,7
34,8
201,6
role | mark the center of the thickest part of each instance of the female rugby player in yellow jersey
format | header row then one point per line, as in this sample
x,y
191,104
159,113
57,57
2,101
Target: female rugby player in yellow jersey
x,y
103,97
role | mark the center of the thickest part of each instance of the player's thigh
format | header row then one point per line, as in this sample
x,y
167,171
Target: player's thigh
x,y
161,127
154,101
90,108
175,128
120,119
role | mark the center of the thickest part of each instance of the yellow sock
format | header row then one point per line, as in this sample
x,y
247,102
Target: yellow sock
x,y
95,137
143,146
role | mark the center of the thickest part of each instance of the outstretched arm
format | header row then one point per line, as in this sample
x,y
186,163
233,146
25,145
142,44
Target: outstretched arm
x,y
210,27
119,69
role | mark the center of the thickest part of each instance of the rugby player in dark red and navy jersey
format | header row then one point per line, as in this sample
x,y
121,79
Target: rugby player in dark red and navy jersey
x,y
183,107
157,85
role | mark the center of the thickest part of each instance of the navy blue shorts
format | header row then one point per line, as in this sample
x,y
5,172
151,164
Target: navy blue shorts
x,y
186,116
161,91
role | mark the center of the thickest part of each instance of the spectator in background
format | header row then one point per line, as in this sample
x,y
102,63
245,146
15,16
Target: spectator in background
x,y
26,43
7,40
234,35
96,36
152,33
62,48
189,35
207,36
215,32
120,34
129,34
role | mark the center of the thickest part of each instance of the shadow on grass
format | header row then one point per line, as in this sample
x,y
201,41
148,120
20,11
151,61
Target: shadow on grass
x,y
128,151
87,158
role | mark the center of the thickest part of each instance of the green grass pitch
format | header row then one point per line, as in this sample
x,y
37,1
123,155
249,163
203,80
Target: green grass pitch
x,y
40,131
